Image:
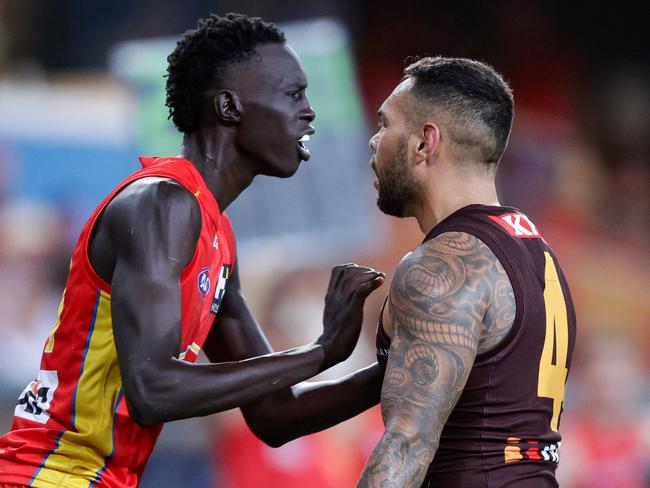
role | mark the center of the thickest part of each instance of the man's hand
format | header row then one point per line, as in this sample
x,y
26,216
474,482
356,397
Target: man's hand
x,y
305,408
349,287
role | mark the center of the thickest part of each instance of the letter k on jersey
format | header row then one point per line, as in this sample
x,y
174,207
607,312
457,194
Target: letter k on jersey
x,y
517,224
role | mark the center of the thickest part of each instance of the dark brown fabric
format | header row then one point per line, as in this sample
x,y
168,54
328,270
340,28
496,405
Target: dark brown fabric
x,y
499,415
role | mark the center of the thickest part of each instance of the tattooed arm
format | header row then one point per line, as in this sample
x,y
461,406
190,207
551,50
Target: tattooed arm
x,y
440,298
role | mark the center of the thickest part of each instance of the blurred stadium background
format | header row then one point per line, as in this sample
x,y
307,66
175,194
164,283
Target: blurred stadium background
x,y
81,95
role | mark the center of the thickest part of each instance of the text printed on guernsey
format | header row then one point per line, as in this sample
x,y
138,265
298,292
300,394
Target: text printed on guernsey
x,y
35,400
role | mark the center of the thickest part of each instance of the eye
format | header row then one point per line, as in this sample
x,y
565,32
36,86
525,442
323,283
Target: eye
x,y
296,95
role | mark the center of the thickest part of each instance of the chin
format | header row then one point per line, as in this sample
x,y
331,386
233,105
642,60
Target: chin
x,y
282,171
289,173
392,208
393,212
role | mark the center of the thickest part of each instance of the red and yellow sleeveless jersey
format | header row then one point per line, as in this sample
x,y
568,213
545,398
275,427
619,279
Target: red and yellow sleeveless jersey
x,y
71,425
504,430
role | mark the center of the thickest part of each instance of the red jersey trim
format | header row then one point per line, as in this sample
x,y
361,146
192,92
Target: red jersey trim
x,y
517,225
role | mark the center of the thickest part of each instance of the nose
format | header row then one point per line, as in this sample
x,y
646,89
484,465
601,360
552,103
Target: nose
x,y
308,114
373,143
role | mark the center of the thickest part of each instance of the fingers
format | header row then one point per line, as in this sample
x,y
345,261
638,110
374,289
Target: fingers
x,y
354,282
368,287
337,272
352,277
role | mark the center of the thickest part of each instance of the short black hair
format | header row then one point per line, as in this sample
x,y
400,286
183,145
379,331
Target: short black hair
x,y
204,54
473,94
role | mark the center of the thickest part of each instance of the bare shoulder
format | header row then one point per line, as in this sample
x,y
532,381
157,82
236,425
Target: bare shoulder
x,y
457,277
148,195
154,216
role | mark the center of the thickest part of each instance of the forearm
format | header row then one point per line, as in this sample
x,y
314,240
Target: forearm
x,y
313,406
399,460
171,389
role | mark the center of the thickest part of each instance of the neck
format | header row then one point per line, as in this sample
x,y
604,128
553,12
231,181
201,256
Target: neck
x,y
440,201
225,172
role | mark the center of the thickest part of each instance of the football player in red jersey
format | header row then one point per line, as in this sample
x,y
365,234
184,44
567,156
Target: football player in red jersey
x,y
154,278
478,330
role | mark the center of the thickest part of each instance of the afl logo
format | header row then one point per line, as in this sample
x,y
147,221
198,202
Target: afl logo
x,y
204,282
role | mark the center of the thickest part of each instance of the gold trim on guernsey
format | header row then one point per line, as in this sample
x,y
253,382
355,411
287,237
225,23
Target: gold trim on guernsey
x,y
82,451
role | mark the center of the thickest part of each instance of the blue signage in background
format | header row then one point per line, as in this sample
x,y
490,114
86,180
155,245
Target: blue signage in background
x,y
70,142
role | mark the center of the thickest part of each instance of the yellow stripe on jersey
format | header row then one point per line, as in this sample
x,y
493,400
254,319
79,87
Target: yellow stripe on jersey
x,y
49,347
74,463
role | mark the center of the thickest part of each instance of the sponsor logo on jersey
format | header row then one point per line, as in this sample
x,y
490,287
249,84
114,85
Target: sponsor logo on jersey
x,y
204,283
517,225
530,450
35,400
220,289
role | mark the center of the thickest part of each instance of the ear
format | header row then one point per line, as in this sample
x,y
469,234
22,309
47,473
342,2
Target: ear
x,y
427,141
228,107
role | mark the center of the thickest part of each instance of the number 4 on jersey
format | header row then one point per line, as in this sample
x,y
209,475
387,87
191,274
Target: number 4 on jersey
x,y
552,375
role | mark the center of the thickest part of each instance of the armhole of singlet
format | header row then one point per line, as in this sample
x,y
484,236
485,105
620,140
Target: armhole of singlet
x,y
230,236
380,323
515,282
87,266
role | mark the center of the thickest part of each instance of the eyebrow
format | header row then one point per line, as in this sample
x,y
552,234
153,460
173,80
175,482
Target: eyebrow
x,y
297,85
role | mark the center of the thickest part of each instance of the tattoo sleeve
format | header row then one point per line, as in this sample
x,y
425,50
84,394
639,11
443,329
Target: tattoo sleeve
x,y
438,300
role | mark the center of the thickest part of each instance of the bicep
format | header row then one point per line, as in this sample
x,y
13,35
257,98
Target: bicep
x,y
423,381
149,225
146,314
437,303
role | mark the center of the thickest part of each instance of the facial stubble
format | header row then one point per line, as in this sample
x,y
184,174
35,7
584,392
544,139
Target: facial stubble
x,y
397,185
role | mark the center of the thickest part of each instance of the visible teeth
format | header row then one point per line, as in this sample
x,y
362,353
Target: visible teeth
x,y
304,138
